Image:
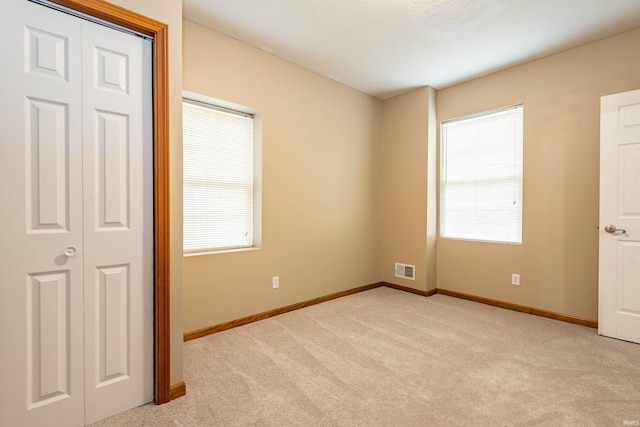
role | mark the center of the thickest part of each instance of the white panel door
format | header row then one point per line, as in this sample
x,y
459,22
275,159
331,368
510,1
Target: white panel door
x,y
75,220
118,233
41,216
619,281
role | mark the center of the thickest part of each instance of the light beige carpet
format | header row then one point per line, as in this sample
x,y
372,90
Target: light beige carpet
x,y
389,358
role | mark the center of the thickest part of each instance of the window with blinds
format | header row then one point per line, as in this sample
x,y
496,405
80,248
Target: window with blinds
x,y
218,177
481,177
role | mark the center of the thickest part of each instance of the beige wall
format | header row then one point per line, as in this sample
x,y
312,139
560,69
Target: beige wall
x,y
349,181
321,164
558,259
408,187
170,12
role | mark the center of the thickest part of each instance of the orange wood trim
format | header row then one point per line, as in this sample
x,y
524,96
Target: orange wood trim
x,y
411,290
160,64
516,307
178,390
114,14
199,333
565,318
162,218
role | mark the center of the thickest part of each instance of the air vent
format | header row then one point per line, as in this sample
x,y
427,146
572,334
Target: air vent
x,y
405,271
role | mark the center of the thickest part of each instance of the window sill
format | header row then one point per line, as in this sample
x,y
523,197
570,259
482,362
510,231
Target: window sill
x,y
222,251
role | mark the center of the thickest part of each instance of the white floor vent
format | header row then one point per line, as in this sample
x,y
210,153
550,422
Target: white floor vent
x,y
405,271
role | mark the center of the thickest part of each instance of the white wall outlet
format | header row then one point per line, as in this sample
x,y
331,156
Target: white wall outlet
x,y
515,279
275,282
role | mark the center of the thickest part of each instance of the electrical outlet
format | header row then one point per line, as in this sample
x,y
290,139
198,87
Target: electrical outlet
x,y
515,279
275,281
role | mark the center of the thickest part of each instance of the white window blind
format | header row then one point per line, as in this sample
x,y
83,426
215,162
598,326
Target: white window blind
x,y
218,178
481,177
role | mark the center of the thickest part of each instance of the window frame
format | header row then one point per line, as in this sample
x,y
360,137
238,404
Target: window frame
x,y
256,115
519,150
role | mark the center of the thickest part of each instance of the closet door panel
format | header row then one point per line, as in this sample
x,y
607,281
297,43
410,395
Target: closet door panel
x,y
41,288
118,220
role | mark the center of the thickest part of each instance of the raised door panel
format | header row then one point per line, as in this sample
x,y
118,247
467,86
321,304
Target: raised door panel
x,y
628,285
629,189
112,174
48,338
47,53
47,153
113,341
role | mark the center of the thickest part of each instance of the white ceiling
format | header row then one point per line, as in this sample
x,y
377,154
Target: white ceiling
x,y
386,47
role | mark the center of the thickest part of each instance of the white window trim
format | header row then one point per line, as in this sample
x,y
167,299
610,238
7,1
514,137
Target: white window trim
x,y
257,169
443,171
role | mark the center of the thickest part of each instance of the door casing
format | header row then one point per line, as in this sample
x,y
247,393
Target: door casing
x,y
161,179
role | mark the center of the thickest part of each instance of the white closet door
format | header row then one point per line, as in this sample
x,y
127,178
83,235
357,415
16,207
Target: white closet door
x,y
75,219
118,233
41,215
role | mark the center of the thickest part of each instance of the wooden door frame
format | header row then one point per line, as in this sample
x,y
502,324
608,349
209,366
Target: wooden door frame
x,y
160,69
